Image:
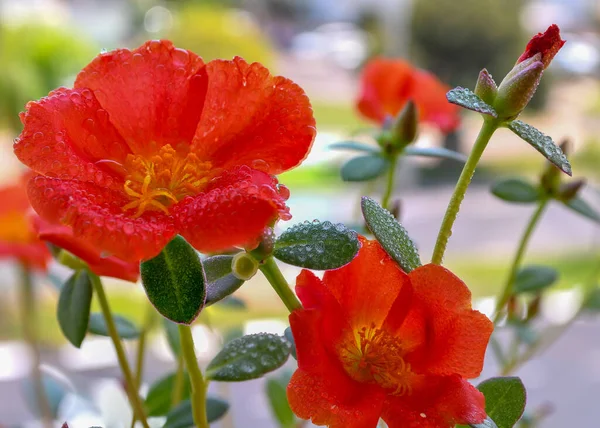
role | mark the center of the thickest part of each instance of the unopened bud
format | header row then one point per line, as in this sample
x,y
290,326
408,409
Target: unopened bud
x,y
533,309
396,209
486,88
244,266
517,88
568,191
406,124
515,309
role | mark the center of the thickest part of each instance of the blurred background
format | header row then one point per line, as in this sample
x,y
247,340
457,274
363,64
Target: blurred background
x,y
322,46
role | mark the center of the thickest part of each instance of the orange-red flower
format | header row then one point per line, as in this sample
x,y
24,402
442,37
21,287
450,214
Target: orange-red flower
x,y
375,342
154,142
62,236
17,237
388,84
547,44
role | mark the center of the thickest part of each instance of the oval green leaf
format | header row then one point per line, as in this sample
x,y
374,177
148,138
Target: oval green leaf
x,y
316,245
516,190
249,357
531,279
364,168
435,152
182,417
276,393
354,145
220,281
504,400
174,282
582,207
74,303
125,328
466,98
391,235
159,399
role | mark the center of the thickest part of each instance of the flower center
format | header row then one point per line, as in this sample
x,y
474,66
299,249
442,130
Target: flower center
x,y
373,355
165,178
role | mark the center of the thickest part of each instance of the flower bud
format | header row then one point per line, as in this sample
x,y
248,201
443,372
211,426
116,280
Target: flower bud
x,y
486,88
405,126
244,266
568,191
517,88
533,308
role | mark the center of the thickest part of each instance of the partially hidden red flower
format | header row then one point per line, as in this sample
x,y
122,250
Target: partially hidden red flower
x,y
63,237
153,142
18,239
375,342
388,84
547,44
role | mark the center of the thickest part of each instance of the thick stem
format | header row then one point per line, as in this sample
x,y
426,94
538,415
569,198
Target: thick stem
x,y
516,264
132,391
487,130
196,379
271,271
177,392
28,313
389,188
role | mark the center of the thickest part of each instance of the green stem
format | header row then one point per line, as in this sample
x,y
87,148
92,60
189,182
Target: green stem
x,y
177,392
271,271
510,282
28,313
196,379
132,392
389,188
487,130
141,352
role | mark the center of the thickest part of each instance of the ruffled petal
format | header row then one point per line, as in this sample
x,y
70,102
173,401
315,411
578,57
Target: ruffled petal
x,y
67,135
62,236
368,286
253,118
437,402
454,336
153,94
429,95
96,217
233,211
547,44
33,254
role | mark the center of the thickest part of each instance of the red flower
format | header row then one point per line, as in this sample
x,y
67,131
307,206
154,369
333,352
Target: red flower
x,y
153,142
375,342
388,84
62,236
547,44
17,237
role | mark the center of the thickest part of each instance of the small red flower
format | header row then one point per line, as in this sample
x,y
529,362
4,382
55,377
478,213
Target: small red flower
x,y
153,142
547,44
388,84
62,236
375,342
17,236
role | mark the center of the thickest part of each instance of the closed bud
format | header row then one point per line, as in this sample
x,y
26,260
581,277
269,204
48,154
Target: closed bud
x,y
244,266
533,309
517,88
568,191
486,88
405,126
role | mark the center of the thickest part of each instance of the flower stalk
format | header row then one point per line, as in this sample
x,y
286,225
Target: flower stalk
x,y
271,271
199,386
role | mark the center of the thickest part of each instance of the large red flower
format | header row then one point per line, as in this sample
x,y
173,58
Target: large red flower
x,y
375,342
17,236
388,84
154,142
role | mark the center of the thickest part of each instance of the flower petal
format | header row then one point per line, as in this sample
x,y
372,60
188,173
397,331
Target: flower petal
x,y
34,254
368,286
454,336
548,44
437,402
153,94
96,217
429,94
67,135
233,211
252,118
62,236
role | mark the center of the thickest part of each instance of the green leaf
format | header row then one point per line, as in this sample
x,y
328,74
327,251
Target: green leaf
x,y
391,235
316,245
504,400
516,190
435,152
535,278
74,307
488,423
126,329
592,301
542,143
232,302
182,417
172,333
249,357
276,393
364,168
354,145
159,398
290,338
220,281
466,98
582,207
174,282
56,387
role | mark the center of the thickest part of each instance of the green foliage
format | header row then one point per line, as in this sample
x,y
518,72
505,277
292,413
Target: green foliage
x,y
276,393
468,99
435,152
125,328
516,190
535,278
364,168
159,399
505,399
74,304
220,281
182,417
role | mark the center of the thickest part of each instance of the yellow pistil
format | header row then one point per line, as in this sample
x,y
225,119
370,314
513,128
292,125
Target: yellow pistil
x,y
373,355
157,182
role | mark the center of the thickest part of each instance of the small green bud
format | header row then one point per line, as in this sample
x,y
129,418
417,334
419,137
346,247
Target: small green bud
x,y
406,124
517,88
486,88
244,266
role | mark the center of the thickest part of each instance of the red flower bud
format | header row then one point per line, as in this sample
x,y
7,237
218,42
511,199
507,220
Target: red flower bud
x,y
517,88
546,44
